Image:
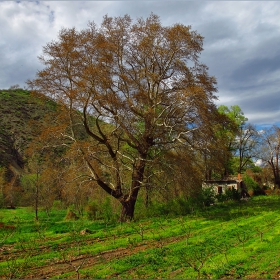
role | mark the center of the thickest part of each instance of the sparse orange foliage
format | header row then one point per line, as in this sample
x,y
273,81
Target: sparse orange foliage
x,y
137,89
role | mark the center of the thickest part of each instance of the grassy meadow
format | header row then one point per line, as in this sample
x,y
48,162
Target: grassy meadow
x,y
227,240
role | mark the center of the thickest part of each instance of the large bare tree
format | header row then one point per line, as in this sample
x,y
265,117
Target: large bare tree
x,y
139,90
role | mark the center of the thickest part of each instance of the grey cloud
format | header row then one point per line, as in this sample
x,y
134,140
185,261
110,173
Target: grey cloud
x,y
241,45
267,103
170,12
217,31
253,69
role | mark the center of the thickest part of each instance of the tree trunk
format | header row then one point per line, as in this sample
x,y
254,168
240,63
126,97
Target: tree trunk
x,y
244,191
37,196
275,174
128,207
147,196
277,182
128,201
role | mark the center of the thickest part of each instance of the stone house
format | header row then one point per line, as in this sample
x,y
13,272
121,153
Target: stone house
x,y
220,186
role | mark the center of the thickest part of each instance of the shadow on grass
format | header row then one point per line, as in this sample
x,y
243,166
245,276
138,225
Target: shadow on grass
x,y
226,211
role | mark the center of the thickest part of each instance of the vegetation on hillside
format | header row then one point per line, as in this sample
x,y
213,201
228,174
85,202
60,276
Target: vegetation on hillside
x,y
22,118
20,114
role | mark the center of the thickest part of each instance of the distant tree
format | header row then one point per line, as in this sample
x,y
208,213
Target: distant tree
x,y
234,113
31,184
218,151
14,87
246,146
31,181
44,168
269,151
140,90
242,140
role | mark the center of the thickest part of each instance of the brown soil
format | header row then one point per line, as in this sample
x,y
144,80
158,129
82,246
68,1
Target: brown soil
x,y
70,263
85,261
2,225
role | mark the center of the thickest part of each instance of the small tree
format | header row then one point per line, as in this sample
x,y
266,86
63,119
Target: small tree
x,y
32,183
31,186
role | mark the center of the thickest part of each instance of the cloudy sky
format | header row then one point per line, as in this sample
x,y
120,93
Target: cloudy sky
x,y
241,42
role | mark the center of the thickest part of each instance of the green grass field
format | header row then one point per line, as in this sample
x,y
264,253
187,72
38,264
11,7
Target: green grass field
x,y
227,240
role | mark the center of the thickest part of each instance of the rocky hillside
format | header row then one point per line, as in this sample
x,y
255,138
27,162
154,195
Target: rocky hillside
x,y
19,115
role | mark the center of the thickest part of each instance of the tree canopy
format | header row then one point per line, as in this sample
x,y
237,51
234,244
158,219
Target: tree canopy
x,y
242,138
138,90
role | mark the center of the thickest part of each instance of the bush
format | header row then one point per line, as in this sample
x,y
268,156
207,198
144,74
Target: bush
x,y
92,211
230,194
253,185
71,215
107,212
183,206
207,196
259,191
58,205
178,206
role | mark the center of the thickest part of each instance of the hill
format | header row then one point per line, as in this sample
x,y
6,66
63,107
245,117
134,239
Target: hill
x,y
20,112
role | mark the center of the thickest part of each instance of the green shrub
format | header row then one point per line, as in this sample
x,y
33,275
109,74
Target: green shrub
x,y
251,184
157,209
58,205
184,205
230,194
92,211
107,212
207,196
258,191
71,215
178,206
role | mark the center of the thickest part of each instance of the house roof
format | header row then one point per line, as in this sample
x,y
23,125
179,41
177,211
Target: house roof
x,y
221,181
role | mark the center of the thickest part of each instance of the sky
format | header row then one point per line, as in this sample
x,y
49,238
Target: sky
x,y
241,42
